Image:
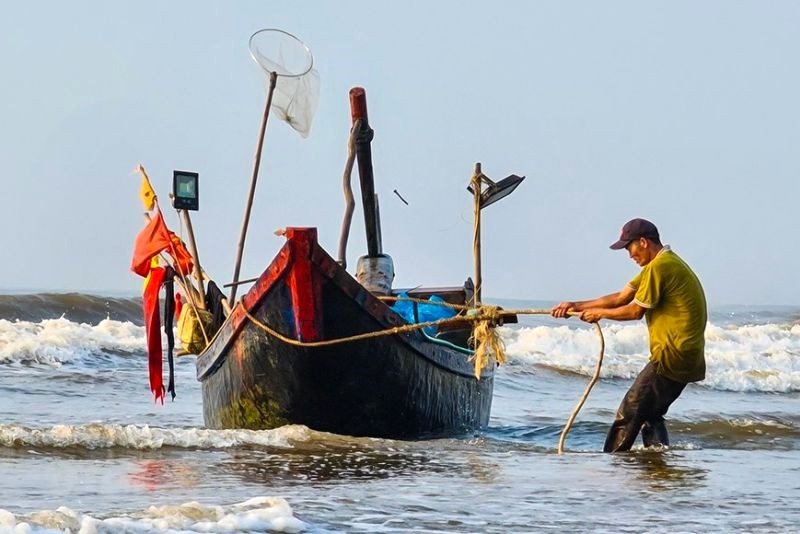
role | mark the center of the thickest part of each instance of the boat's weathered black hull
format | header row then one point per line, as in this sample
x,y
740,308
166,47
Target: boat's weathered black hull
x,y
397,386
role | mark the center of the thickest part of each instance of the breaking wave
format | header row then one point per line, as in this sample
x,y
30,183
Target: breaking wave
x,y
58,341
763,358
106,436
260,514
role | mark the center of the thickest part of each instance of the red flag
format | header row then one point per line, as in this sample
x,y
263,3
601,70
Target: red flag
x,y
153,238
152,324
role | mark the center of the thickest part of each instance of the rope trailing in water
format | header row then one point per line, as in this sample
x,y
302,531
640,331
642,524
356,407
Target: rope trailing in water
x,y
562,438
484,335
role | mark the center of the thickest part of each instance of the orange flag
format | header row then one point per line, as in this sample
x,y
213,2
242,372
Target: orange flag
x,y
154,238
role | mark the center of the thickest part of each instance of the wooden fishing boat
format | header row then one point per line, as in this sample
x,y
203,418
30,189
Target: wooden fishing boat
x,y
265,367
406,385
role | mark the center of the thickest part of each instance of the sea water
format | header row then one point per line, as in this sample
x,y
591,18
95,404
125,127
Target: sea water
x,y
83,447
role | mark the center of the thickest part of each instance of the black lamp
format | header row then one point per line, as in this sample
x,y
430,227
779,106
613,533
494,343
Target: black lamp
x,y
185,190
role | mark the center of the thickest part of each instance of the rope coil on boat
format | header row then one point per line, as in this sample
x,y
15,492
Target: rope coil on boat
x,y
484,335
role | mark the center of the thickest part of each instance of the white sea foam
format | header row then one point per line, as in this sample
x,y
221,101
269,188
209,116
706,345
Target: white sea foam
x,y
738,358
104,436
260,514
57,341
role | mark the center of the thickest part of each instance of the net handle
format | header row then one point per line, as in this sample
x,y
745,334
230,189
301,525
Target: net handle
x,y
301,43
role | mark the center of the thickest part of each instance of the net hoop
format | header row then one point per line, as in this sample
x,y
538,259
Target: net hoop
x,y
270,61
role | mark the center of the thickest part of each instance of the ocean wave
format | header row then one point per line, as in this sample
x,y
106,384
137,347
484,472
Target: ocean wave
x,y
764,358
57,341
260,514
106,436
759,425
744,358
77,307
744,433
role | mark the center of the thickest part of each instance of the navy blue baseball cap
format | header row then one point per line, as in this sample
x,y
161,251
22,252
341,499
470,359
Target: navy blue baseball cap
x,y
633,230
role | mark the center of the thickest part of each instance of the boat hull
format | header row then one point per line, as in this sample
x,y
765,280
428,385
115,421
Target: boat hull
x,y
393,386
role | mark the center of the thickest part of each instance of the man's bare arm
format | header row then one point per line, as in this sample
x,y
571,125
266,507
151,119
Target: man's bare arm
x,y
628,312
613,300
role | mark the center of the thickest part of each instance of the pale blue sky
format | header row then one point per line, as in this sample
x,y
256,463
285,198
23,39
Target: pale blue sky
x,y
685,113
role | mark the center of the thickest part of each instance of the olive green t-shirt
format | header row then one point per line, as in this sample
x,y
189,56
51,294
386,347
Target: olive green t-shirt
x,y
676,316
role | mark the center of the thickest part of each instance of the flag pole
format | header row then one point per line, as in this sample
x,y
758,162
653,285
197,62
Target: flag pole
x,y
273,78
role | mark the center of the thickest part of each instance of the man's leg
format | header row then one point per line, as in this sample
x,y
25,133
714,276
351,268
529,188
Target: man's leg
x,y
632,412
654,433
665,391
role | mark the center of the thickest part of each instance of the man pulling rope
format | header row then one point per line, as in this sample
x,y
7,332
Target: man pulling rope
x,y
670,296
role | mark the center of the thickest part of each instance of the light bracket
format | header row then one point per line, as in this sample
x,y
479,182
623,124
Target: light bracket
x,y
496,190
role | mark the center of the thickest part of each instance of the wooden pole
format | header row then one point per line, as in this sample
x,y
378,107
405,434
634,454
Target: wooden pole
x,y
476,191
273,79
198,271
363,138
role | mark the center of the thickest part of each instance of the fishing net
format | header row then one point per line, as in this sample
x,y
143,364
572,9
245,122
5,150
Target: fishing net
x,y
297,86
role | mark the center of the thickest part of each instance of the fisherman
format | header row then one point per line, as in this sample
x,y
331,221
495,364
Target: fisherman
x,y
668,293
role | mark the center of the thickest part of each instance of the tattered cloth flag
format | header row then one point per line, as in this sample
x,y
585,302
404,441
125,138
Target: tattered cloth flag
x,y
146,192
152,325
154,239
